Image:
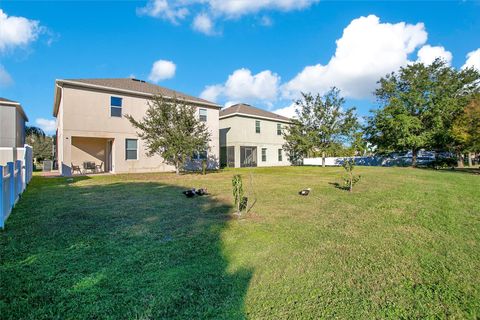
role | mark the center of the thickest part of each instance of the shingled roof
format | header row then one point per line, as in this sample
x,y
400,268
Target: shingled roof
x,y
7,100
139,86
248,110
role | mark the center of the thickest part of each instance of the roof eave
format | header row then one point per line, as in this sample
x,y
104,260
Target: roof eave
x,y
253,116
87,85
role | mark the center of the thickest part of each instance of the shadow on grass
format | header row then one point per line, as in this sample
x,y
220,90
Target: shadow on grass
x,y
339,186
122,250
456,170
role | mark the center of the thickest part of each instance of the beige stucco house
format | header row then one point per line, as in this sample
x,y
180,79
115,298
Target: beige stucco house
x,y
12,124
91,127
251,137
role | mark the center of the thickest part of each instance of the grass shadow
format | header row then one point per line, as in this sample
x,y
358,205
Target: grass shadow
x,y
467,170
339,186
119,250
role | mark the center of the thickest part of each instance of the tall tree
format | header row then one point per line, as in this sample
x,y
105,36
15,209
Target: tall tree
x,y
466,130
171,129
42,146
322,124
418,105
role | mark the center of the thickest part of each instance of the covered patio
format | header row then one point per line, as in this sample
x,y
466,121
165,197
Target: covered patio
x,y
91,155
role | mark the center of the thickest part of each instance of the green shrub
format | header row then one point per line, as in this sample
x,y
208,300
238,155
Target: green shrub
x,y
349,179
239,199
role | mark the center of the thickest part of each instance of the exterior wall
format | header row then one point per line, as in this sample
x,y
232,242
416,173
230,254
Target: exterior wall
x,y
88,149
86,113
239,131
8,126
19,129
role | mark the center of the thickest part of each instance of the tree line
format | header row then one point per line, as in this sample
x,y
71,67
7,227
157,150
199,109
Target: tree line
x,y
434,107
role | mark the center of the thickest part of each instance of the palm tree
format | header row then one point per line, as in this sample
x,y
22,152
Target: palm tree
x,y
34,131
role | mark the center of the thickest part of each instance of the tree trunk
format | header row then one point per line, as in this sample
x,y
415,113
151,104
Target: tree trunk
x,y
470,159
323,159
177,168
351,182
460,160
414,157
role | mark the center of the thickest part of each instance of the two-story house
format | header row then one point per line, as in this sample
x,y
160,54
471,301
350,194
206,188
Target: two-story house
x,y
12,124
91,127
251,137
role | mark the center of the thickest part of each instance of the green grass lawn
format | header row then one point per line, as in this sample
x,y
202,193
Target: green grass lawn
x,y
404,244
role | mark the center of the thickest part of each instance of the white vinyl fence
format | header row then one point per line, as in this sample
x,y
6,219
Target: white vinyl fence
x,y
338,161
14,178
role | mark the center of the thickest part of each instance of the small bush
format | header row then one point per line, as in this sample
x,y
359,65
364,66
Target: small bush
x,y
349,179
443,163
240,201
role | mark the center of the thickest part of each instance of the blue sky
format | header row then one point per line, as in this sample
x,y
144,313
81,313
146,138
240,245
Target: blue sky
x,y
263,52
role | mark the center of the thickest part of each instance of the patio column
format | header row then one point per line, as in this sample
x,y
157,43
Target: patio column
x,y
66,162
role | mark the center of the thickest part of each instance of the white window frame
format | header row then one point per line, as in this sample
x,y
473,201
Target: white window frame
x,y
116,107
126,149
200,114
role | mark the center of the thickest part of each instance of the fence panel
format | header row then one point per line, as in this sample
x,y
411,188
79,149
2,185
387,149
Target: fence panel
x,y
14,178
5,196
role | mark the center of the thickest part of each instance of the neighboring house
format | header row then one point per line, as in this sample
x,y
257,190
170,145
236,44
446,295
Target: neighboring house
x,y
12,124
251,137
91,126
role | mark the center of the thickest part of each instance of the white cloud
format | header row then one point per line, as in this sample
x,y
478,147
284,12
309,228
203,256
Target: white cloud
x,y
473,60
367,50
5,78
210,10
211,93
235,8
242,85
427,54
289,111
162,70
163,9
202,23
266,21
230,103
17,31
47,125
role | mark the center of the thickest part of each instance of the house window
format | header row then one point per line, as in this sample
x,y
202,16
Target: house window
x,y
131,149
203,115
257,126
280,156
264,154
200,155
115,107
279,129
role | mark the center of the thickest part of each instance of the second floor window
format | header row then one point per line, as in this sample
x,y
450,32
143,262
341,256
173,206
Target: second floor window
x,y
203,115
257,126
200,155
264,154
279,129
115,107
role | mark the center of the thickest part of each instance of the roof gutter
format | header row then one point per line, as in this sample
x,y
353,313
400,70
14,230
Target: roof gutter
x,y
60,82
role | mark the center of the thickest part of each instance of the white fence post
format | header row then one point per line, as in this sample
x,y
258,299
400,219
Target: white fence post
x,y
2,200
11,184
18,179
